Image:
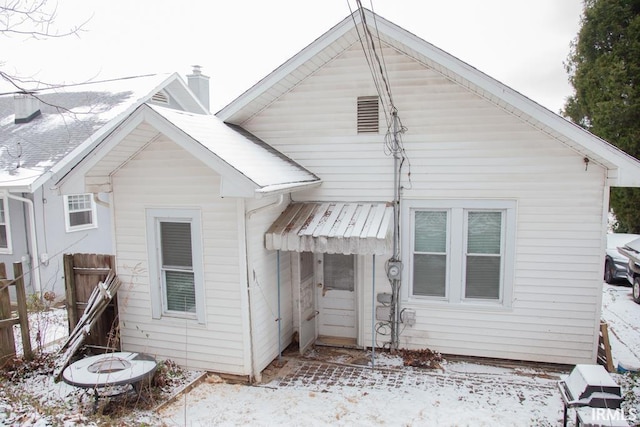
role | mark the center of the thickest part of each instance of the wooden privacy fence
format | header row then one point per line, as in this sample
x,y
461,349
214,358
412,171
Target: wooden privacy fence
x,y
82,274
7,320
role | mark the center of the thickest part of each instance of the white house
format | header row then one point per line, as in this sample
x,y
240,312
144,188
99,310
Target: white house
x,y
426,207
42,131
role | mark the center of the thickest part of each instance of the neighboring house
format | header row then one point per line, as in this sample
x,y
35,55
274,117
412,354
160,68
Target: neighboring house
x,y
235,239
41,132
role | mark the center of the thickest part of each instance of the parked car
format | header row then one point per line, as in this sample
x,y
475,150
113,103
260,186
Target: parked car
x,y
615,264
631,251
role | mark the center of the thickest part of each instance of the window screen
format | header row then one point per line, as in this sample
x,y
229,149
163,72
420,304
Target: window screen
x,y
430,253
339,272
177,266
306,265
484,253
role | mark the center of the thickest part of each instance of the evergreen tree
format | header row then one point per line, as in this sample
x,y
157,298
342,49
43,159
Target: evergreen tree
x,y
604,69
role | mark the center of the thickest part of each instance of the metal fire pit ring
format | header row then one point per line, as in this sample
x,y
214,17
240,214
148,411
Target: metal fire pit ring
x,y
110,369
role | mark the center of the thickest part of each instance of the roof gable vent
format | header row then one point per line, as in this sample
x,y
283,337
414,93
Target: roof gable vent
x,y
368,114
27,107
160,97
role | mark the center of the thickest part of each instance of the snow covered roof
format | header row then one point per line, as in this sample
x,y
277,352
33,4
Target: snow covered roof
x,y
267,168
249,167
622,169
72,119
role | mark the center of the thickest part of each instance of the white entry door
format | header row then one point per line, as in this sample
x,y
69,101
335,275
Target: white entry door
x,y
337,296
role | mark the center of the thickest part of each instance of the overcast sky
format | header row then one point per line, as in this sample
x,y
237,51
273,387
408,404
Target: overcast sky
x,y
522,43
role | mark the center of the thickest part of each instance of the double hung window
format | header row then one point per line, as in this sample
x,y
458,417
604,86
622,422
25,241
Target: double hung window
x,y
175,259
79,212
461,251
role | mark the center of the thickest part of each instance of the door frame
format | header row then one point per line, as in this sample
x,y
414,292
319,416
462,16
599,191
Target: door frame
x,y
358,291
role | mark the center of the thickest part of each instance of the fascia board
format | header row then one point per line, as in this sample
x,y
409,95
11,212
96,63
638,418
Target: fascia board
x,y
71,160
542,117
234,183
283,70
100,151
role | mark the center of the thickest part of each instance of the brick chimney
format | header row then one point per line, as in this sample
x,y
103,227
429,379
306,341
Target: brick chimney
x,y
26,106
199,85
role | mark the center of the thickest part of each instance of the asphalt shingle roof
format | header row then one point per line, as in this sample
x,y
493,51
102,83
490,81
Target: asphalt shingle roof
x,y
70,116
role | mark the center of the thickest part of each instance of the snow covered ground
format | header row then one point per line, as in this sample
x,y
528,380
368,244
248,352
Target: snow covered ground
x,y
335,391
622,315
462,394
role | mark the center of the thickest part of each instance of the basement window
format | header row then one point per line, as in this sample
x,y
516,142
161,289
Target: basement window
x,y
79,212
368,114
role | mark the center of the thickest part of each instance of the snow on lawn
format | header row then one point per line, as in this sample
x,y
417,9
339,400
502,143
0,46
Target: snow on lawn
x,y
622,315
318,391
463,394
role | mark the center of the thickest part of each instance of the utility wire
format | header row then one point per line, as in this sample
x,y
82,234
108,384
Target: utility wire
x,y
375,54
369,60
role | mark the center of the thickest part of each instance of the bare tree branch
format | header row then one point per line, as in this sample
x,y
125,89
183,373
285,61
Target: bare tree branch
x,y
33,18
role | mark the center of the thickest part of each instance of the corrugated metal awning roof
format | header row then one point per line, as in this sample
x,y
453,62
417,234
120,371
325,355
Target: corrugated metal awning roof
x,y
345,228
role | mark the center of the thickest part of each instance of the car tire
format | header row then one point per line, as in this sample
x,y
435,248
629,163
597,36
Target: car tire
x,y
636,289
608,272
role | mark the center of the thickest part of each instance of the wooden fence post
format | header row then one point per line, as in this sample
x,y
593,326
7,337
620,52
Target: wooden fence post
x,y
23,313
70,291
7,342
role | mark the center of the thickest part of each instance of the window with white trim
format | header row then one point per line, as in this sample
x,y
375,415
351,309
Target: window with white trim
x,y
460,251
5,230
175,262
80,212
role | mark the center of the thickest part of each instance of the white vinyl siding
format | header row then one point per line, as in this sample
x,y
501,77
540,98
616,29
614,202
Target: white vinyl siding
x,y
270,286
175,259
5,229
158,177
460,146
79,212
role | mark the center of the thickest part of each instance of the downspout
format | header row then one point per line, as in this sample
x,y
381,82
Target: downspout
x,y
373,314
97,200
35,270
248,215
279,310
278,202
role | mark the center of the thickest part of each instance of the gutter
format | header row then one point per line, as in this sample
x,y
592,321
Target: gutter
x,y
280,189
35,270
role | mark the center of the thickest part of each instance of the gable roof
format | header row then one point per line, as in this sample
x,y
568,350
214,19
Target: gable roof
x,y
248,166
72,119
622,169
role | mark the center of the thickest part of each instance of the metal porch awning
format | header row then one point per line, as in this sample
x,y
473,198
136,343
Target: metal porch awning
x,y
344,228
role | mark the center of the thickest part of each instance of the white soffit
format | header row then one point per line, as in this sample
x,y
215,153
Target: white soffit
x,y
332,227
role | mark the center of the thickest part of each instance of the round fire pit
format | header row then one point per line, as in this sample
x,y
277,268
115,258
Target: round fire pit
x,y
110,369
